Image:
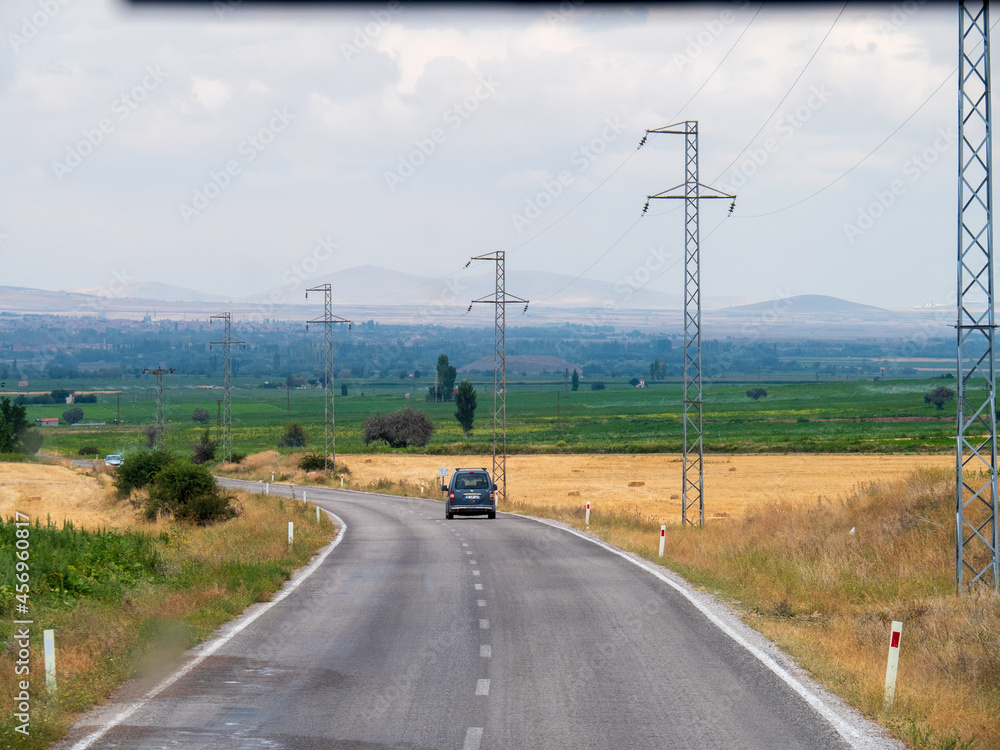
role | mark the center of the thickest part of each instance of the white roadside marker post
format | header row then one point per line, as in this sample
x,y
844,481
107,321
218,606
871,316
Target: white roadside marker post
x,y
588,514
317,514
663,537
290,533
49,645
303,496
893,664
341,481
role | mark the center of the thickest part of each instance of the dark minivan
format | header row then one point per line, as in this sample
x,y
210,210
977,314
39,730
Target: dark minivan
x,y
471,492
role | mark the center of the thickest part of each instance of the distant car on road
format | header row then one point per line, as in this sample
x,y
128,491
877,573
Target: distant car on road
x,y
113,459
471,492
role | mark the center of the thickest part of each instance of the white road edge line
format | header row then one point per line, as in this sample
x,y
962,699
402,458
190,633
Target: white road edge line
x,y
235,626
843,729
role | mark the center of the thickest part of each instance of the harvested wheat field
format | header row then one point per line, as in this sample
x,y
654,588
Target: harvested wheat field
x,y
44,491
734,484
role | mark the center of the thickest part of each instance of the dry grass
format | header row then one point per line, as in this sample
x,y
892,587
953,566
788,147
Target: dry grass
x,y
60,493
828,596
212,574
734,484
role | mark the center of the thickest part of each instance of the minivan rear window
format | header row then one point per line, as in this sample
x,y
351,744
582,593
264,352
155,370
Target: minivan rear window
x,y
471,482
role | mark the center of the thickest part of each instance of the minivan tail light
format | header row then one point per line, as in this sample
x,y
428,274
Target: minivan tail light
x,y
493,496
451,495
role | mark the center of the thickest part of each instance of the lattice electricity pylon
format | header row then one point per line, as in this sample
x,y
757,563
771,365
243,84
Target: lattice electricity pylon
x,y
499,299
227,379
693,457
158,418
976,532
328,320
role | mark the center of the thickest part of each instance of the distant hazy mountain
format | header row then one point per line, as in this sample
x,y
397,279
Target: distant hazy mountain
x,y
371,286
152,291
807,304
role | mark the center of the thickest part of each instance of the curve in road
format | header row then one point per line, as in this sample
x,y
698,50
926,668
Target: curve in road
x,y
473,633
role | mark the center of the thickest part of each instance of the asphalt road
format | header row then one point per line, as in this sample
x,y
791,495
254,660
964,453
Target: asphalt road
x,y
416,632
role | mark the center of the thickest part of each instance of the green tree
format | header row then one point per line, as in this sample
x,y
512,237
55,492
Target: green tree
x,y
756,393
654,369
465,401
13,426
72,416
204,449
446,375
399,428
576,380
201,415
939,396
294,437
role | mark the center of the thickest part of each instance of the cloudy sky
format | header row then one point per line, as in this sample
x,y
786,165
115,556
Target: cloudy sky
x,y
234,148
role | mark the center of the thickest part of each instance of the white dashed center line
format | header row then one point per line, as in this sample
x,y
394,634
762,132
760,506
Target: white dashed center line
x,y
482,687
475,572
486,651
484,624
479,586
481,602
473,736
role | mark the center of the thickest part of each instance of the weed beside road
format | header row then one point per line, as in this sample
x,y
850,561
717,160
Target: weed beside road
x,y
124,604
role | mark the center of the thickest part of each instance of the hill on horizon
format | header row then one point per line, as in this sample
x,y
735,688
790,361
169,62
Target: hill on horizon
x,y
806,304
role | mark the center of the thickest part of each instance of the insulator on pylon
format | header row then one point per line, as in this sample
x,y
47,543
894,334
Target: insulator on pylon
x,y
643,141
645,208
525,308
467,265
470,308
732,207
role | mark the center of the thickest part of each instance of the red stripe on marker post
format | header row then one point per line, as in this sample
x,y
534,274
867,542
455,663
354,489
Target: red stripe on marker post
x,y
893,664
588,513
663,537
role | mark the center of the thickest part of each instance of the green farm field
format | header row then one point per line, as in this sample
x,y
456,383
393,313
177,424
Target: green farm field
x,y
844,416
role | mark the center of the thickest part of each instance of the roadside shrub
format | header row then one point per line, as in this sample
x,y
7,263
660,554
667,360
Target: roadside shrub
x,y
294,437
399,428
139,469
31,441
756,393
237,457
88,450
312,462
85,398
597,385
188,493
201,416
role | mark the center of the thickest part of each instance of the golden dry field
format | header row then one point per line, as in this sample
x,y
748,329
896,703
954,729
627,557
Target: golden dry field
x,y
734,484
78,494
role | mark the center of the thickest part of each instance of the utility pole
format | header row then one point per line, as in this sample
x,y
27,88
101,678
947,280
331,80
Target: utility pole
x,y
227,377
328,320
976,534
158,418
693,481
499,299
